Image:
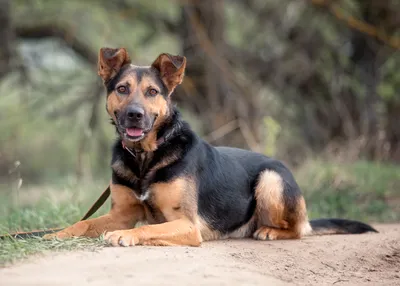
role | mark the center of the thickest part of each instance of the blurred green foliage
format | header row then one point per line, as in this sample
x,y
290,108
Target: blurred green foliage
x,y
363,190
389,87
272,132
45,122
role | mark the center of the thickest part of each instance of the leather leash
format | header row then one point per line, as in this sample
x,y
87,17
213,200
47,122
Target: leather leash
x,y
35,233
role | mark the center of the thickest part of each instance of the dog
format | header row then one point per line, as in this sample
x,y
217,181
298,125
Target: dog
x,y
184,190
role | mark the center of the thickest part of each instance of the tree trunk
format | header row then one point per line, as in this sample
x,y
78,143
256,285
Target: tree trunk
x,y
6,36
208,90
393,130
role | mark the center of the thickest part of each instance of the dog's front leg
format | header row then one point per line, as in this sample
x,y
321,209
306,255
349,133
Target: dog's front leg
x,y
177,232
95,227
125,212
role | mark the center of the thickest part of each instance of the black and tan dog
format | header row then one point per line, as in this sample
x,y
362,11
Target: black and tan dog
x,y
186,190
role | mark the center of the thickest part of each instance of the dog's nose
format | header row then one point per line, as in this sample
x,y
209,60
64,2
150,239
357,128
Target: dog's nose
x,y
135,113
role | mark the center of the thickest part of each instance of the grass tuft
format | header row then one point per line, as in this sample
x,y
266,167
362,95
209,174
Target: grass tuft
x,y
57,206
13,250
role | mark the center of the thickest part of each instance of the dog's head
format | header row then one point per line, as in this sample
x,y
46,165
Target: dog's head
x,y
138,97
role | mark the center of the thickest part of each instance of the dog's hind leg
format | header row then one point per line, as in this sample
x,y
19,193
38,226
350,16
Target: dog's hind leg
x,y
280,209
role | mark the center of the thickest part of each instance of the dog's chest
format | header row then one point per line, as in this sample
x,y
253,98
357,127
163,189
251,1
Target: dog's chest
x,y
136,175
143,195
134,169
158,196
148,198
142,190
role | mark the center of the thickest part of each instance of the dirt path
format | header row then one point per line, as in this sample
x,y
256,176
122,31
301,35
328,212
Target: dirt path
x,y
368,259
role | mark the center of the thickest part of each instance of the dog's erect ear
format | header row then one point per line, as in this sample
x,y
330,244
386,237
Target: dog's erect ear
x,y
111,61
171,68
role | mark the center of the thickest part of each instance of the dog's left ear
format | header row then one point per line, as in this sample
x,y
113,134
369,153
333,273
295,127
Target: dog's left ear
x,y
171,68
111,61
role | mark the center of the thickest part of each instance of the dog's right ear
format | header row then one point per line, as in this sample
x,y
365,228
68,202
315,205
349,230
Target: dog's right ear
x,y
111,61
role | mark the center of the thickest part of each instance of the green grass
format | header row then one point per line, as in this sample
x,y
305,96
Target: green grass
x,y
54,209
365,191
13,250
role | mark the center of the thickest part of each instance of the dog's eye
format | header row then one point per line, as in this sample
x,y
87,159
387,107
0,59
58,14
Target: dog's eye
x,y
122,89
152,92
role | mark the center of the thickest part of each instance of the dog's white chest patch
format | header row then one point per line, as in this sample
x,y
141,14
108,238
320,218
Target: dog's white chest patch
x,y
144,196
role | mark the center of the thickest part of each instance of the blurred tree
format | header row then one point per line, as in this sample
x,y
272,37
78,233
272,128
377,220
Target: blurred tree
x,y
6,36
327,68
6,55
212,90
327,71
368,55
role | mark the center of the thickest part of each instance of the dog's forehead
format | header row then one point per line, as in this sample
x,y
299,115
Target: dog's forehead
x,y
135,75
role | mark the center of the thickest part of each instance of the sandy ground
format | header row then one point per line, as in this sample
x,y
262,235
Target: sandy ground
x,y
367,259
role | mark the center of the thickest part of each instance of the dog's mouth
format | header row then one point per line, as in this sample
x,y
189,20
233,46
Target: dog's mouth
x,y
134,134
134,131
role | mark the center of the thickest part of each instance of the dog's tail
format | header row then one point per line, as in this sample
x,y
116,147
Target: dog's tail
x,y
338,226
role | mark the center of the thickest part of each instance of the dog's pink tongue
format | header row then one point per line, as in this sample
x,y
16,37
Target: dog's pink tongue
x,y
134,132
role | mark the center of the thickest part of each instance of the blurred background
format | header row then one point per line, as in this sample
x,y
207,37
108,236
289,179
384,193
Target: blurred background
x,y
315,83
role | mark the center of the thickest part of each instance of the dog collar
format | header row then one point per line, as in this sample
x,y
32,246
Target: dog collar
x,y
160,141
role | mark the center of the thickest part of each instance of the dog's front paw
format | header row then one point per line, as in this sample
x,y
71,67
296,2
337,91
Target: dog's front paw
x,y
121,238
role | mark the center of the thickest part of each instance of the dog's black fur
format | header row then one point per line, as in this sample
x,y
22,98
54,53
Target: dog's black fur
x,y
226,177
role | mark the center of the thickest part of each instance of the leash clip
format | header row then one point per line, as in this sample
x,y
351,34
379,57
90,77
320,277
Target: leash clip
x,y
127,149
